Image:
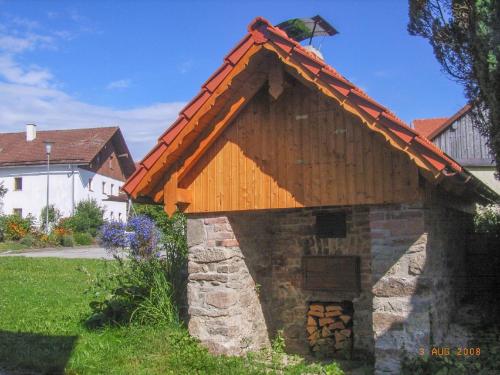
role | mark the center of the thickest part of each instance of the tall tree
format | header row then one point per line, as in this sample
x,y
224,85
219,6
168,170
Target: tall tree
x,y
465,37
3,191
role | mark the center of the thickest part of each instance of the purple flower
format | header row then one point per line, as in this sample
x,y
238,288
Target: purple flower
x,y
143,237
112,236
140,235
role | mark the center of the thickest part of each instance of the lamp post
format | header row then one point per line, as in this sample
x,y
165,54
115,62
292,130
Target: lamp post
x,y
48,149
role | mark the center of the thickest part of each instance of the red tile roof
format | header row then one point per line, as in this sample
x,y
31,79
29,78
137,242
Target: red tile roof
x,y
263,34
432,127
461,112
427,126
78,146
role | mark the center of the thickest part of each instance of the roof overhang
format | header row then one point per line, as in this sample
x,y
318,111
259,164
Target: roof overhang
x,y
433,163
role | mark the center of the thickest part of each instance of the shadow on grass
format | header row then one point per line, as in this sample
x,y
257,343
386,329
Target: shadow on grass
x,y
28,353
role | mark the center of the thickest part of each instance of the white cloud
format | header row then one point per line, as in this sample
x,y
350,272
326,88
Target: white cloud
x,y
120,84
16,44
29,93
12,72
51,108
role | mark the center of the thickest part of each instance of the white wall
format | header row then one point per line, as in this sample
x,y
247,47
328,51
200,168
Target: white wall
x,y
32,198
486,175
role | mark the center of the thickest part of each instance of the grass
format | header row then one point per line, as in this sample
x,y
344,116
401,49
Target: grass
x,y
43,305
12,245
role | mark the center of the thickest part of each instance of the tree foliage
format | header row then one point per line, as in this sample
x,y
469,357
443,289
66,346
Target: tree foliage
x,y
3,190
88,217
54,216
465,37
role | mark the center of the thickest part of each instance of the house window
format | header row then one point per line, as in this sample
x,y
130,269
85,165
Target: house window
x,y
18,183
112,215
103,187
111,162
90,184
18,211
331,225
111,189
119,216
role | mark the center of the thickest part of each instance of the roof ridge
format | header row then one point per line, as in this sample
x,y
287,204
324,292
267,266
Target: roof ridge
x,y
430,118
461,112
260,31
65,130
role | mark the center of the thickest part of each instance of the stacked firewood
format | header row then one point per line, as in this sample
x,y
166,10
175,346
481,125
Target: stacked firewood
x,y
329,327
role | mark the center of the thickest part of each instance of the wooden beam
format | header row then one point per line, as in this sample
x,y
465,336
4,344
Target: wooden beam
x,y
298,72
276,79
183,196
246,95
170,194
146,185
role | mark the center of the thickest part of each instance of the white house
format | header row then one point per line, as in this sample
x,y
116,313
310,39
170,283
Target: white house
x,y
84,163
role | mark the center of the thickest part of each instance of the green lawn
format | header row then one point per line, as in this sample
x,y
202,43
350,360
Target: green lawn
x,y
11,245
42,307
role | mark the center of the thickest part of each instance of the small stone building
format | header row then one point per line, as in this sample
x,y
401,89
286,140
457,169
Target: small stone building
x,y
312,209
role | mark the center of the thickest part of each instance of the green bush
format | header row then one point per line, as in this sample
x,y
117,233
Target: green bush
x,y
27,240
53,239
67,240
173,242
487,220
83,238
14,227
133,290
88,217
54,216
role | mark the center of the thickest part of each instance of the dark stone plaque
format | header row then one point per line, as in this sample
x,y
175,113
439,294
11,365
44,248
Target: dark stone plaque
x,y
331,273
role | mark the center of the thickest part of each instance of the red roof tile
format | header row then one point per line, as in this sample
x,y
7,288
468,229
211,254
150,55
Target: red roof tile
x,y
427,126
432,127
262,32
76,146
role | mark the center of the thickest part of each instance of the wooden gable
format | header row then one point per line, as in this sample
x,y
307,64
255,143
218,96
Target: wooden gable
x,y
197,145
300,150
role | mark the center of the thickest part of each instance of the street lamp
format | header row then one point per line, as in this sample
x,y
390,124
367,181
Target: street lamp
x,y
48,150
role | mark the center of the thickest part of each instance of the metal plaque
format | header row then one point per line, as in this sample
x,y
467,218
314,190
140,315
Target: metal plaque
x,y
331,273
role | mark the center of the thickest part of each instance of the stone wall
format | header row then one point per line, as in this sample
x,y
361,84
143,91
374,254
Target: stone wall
x,y
447,251
223,305
418,267
246,277
265,249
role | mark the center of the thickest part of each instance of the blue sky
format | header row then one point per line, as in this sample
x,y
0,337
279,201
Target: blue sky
x,y
67,64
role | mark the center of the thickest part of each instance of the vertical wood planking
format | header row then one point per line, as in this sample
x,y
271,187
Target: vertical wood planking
x,y
378,169
288,122
306,161
269,158
359,168
340,179
327,152
314,119
280,150
350,170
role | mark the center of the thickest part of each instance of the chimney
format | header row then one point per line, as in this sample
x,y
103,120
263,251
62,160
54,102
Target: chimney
x,y
314,51
30,132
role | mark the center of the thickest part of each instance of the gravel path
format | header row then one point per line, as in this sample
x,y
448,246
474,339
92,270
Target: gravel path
x,y
64,252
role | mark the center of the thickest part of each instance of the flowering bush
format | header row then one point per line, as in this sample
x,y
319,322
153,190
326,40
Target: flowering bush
x,y
54,217
140,235
143,238
14,227
113,236
487,219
